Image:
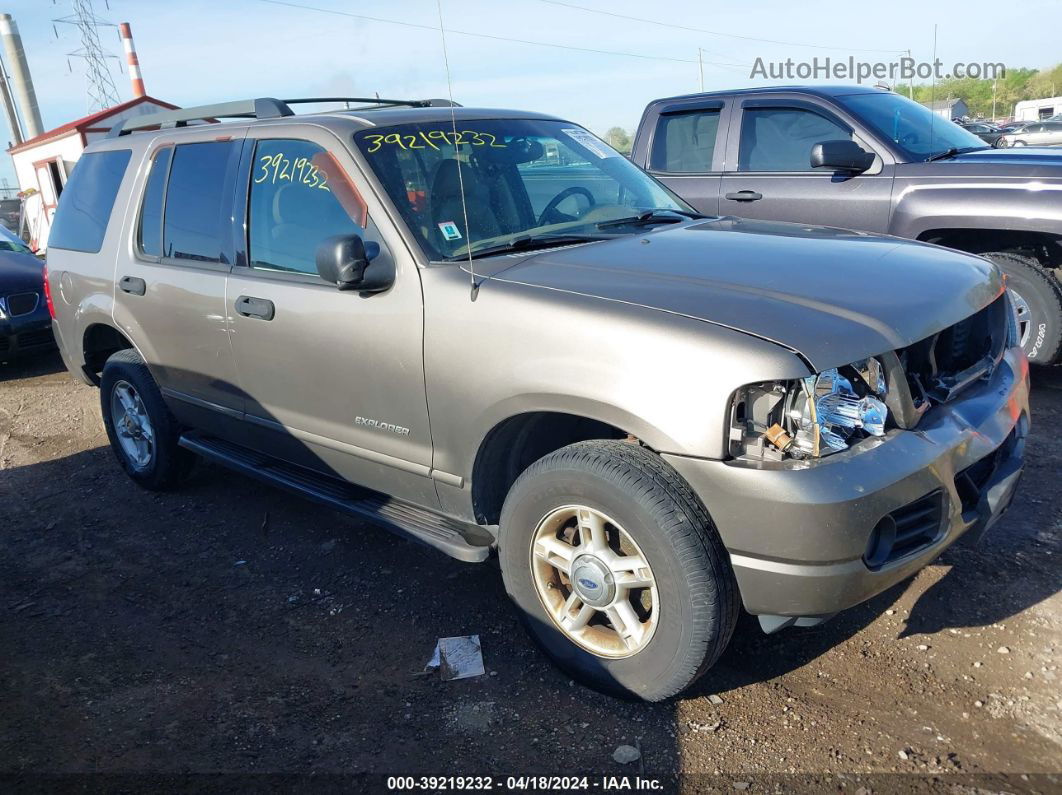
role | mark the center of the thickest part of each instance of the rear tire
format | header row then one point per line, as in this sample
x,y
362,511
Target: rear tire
x,y
142,431
684,595
1038,296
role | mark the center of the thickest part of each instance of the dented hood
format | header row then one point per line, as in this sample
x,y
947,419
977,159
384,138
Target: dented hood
x,y
832,295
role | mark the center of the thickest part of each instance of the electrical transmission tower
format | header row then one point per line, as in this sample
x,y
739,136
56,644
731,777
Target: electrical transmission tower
x,y
101,89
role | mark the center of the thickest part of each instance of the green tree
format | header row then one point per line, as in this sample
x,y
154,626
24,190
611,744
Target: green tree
x,y
619,139
1019,84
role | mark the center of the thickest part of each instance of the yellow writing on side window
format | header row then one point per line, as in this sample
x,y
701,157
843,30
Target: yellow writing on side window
x,y
278,168
431,139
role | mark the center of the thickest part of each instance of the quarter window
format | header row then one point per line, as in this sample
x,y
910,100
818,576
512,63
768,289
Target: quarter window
x,y
85,208
299,197
199,200
149,231
781,139
684,142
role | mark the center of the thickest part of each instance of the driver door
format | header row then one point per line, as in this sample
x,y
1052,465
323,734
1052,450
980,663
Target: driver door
x,y
334,380
769,175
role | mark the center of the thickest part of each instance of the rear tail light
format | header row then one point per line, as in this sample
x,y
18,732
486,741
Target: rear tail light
x,y
48,294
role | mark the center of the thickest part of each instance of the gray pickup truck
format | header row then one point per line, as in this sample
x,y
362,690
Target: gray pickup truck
x,y
492,333
870,159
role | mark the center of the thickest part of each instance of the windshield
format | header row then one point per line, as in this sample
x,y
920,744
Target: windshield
x,y
519,178
914,129
9,241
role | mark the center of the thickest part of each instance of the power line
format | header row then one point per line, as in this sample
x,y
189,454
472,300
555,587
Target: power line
x,y
101,89
472,34
691,29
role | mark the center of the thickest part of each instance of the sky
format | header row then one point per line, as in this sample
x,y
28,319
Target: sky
x,y
205,51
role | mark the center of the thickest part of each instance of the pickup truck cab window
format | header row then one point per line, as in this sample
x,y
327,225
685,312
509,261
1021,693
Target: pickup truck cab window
x,y
684,143
781,139
514,178
299,197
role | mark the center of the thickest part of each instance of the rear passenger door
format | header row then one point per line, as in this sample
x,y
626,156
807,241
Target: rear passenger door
x,y
170,280
686,151
334,379
769,173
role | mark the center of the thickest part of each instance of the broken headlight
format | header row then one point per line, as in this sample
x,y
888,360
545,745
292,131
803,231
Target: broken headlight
x,y
812,417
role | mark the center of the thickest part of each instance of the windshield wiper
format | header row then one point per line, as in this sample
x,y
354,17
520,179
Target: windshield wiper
x,y
947,153
662,216
526,243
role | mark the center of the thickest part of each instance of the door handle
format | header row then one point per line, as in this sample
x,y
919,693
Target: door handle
x,y
260,308
133,285
745,196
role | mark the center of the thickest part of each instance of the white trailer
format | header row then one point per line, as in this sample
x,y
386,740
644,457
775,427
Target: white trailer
x,y
1037,109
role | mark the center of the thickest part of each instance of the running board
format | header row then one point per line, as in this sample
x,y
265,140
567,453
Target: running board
x,y
466,542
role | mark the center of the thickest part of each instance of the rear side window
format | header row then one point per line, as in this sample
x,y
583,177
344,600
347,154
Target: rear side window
x,y
684,142
149,231
781,139
198,208
85,206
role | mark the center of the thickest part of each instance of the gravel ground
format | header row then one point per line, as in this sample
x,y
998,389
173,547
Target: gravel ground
x,y
233,628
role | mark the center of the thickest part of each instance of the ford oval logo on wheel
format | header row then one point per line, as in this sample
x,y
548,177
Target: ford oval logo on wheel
x,y
588,583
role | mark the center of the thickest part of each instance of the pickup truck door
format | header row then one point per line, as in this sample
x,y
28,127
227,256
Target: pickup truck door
x,y
334,380
768,171
686,149
169,294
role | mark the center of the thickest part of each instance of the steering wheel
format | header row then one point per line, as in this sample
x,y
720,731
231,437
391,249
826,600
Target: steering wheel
x,y
551,208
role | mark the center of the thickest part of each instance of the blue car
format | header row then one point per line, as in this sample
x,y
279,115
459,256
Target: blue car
x,y
25,323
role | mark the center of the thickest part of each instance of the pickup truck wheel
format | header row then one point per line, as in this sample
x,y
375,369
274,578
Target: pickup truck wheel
x,y
142,431
616,569
1037,297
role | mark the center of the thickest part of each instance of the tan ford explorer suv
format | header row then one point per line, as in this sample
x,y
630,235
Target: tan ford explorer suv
x,y
490,332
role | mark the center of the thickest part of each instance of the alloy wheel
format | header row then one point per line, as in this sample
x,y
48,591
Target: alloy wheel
x,y
132,426
594,582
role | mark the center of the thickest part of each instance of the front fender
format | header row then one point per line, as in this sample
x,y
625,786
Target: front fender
x,y
973,203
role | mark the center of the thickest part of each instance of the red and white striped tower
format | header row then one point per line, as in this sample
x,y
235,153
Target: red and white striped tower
x,y
131,59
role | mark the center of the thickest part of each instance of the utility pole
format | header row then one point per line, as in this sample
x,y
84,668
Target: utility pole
x,y
993,99
700,65
102,92
910,83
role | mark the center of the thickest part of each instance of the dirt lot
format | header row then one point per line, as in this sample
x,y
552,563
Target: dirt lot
x,y
233,628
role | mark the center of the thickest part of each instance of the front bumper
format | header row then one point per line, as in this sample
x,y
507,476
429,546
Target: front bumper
x,y
24,335
799,535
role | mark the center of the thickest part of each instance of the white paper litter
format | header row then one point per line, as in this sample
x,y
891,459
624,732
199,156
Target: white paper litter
x,y
457,658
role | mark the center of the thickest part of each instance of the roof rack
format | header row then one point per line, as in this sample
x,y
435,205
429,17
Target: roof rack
x,y
260,108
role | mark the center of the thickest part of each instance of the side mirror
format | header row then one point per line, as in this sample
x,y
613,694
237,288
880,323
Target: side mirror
x,y
344,260
841,156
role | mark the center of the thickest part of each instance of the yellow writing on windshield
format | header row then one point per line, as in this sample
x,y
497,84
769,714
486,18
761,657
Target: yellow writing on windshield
x,y
278,168
432,139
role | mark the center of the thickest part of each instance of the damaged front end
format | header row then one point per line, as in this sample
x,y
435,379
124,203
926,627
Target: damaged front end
x,y
840,407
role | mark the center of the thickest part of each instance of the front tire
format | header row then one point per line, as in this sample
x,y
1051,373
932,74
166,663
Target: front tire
x,y
1037,296
142,431
616,569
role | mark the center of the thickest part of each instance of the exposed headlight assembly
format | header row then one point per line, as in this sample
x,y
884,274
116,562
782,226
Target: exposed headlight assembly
x,y
812,417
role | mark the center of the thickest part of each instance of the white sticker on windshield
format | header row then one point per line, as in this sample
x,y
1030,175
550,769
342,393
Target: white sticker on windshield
x,y
449,230
591,142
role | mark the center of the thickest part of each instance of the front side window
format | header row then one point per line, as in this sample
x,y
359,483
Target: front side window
x,y
781,139
149,228
512,178
199,201
685,142
85,208
299,197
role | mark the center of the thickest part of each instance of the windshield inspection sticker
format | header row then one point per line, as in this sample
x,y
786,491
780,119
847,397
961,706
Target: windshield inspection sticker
x,y
591,142
449,230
